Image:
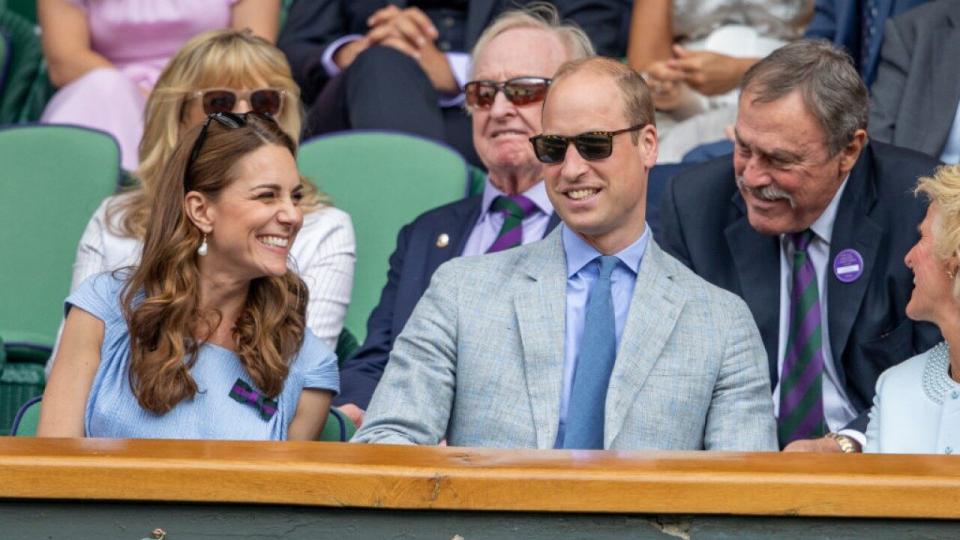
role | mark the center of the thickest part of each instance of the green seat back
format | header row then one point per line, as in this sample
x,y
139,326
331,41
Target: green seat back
x,y
52,178
384,181
27,418
4,58
24,8
476,181
26,87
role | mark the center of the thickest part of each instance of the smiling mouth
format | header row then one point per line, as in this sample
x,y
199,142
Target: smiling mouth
x,y
504,132
580,194
274,241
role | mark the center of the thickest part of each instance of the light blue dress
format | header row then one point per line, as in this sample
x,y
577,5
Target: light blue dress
x,y
113,411
916,409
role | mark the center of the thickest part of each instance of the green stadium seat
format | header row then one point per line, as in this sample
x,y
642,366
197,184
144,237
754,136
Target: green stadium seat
x,y
383,180
52,179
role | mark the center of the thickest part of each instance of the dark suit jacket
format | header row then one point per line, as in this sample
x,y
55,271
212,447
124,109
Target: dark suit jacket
x,y
312,25
841,21
705,225
412,265
917,89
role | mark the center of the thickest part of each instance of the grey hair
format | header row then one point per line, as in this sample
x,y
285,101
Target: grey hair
x,y
537,16
831,88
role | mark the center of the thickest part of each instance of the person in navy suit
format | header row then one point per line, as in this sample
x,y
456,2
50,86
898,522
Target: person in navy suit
x,y
513,62
402,64
857,26
806,194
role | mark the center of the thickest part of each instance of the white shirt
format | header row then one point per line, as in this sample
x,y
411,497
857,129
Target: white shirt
x,y
837,409
951,149
324,255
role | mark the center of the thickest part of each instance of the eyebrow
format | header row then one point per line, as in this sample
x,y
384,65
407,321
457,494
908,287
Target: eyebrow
x,y
276,187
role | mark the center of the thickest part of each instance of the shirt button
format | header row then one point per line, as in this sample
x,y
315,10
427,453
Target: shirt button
x,y
954,394
948,450
448,22
444,45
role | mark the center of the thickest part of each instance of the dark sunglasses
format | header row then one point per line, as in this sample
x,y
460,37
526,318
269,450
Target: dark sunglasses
x,y
223,100
591,146
226,119
519,91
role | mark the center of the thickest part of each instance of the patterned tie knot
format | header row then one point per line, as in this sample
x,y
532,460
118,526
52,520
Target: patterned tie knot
x,y
607,264
517,206
801,240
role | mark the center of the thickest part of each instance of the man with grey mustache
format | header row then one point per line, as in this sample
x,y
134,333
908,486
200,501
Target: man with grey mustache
x,y
809,223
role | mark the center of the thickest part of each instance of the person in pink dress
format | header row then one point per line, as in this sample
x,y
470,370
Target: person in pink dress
x,y
106,55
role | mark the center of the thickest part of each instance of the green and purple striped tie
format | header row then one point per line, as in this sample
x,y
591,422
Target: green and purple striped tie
x,y
801,379
514,208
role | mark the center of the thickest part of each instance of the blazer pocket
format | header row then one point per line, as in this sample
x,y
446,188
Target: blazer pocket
x,y
891,347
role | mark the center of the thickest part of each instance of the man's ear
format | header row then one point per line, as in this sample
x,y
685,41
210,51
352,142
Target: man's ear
x,y
851,153
199,211
647,145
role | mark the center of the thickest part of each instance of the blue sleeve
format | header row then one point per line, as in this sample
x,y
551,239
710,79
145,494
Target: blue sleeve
x,y
98,295
318,364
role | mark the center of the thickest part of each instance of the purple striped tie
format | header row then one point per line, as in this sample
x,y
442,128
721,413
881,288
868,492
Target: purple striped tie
x,y
801,379
514,209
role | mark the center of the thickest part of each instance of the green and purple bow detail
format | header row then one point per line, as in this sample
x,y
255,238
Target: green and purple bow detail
x,y
244,393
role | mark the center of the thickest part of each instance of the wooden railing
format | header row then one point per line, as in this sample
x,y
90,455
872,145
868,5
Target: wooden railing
x,y
350,475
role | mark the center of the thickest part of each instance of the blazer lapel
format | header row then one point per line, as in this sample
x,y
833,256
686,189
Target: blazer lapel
x,y
852,229
654,310
551,224
540,304
756,258
457,226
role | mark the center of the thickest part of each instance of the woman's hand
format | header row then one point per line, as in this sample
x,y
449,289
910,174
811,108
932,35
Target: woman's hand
x,y
709,73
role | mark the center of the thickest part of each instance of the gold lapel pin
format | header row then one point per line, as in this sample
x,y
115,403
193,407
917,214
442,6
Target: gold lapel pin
x,y
443,240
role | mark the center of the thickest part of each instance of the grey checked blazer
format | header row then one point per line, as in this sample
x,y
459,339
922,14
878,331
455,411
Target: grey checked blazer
x,y
480,361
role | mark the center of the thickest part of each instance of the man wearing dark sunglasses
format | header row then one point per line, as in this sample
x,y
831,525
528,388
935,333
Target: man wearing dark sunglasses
x,y
593,338
809,223
514,61
402,64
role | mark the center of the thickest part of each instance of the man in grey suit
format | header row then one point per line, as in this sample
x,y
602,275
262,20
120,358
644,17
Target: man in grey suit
x,y
592,337
916,99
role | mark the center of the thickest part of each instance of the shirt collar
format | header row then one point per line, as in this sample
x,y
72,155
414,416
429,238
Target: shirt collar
x,y
537,194
823,226
580,253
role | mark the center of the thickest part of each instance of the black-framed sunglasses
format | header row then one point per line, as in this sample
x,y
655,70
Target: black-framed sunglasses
x,y
591,146
226,119
261,100
519,91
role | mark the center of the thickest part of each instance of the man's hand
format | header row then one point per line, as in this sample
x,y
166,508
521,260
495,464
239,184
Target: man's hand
x,y
354,413
408,30
709,73
823,445
346,54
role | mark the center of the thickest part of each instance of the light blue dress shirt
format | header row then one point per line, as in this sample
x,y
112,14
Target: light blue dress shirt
x,y
488,226
582,271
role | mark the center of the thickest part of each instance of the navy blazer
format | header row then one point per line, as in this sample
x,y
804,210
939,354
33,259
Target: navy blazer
x,y
704,225
412,265
312,25
841,21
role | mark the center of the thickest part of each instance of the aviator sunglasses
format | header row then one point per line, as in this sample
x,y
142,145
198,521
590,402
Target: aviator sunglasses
x,y
591,146
519,91
223,100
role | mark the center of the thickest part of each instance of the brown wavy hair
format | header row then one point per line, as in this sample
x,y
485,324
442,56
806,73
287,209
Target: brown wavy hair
x,y
161,296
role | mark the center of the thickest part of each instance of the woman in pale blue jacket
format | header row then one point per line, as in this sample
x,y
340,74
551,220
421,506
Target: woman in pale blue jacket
x,y
917,404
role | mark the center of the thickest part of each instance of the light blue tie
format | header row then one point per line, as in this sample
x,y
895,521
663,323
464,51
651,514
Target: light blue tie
x,y
598,350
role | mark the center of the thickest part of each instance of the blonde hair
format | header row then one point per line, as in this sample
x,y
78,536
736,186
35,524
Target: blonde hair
x,y
160,300
218,58
943,189
538,16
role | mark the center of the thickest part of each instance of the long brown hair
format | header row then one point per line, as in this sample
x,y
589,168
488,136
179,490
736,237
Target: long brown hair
x,y
161,296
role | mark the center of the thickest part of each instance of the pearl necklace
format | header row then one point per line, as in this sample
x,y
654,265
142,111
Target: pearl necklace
x,y
936,373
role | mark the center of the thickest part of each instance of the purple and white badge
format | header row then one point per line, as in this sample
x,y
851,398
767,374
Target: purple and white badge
x,y
848,265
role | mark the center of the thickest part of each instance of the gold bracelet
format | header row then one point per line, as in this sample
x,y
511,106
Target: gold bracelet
x,y
847,444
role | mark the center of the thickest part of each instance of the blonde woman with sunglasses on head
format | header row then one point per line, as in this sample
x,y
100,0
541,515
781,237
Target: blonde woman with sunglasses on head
x,y
225,71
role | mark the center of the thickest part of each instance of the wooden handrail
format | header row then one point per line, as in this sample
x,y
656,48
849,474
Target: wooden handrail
x,y
337,474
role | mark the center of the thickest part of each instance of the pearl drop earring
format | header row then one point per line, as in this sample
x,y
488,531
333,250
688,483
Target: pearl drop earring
x,y
202,250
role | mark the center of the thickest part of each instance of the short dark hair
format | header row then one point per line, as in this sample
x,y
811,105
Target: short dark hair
x,y
826,77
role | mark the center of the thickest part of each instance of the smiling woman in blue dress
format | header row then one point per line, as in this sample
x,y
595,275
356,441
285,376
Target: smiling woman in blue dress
x,y
207,337
917,404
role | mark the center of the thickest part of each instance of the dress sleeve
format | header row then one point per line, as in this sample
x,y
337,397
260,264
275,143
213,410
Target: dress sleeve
x,y
318,364
99,296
